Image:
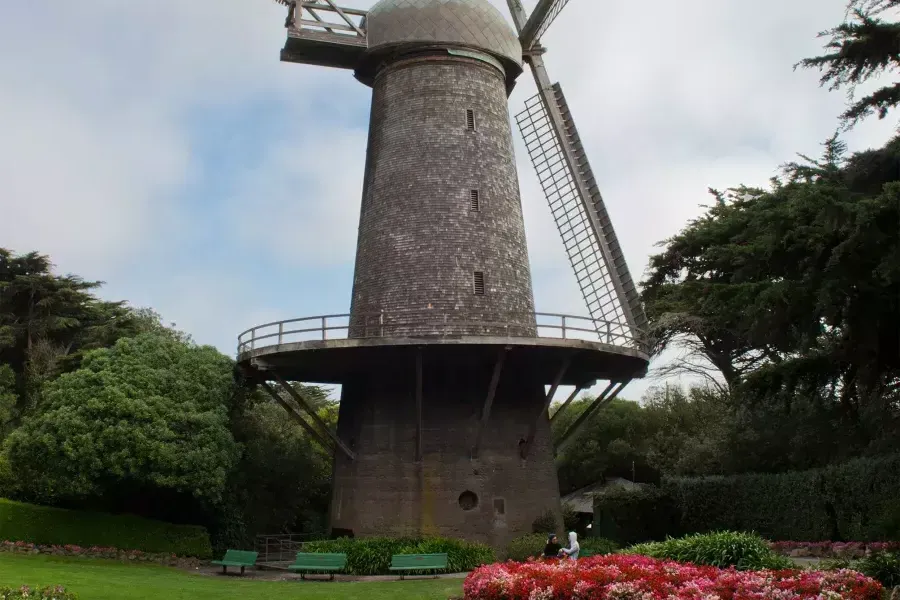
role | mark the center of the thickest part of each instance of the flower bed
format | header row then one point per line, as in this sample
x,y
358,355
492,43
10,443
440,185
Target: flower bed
x,y
99,552
51,592
833,549
631,577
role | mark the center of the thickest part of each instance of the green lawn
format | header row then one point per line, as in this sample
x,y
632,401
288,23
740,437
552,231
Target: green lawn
x,y
107,580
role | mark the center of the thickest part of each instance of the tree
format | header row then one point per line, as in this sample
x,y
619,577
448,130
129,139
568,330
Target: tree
x,y
793,293
692,430
48,321
612,443
858,50
142,427
7,398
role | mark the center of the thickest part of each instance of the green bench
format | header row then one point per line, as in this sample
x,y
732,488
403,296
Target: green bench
x,y
318,563
404,563
237,558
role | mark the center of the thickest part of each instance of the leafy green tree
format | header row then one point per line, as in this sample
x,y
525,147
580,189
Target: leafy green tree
x,y
863,47
692,430
793,294
7,397
140,427
614,442
48,321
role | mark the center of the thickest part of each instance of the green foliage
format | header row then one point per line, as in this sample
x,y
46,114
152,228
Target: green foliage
x,y
851,501
50,592
48,322
634,515
55,526
854,501
596,546
608,445
532,545
860,49
282,481
148,414
744,551
8,398
884,567
372,556
791,295
528,546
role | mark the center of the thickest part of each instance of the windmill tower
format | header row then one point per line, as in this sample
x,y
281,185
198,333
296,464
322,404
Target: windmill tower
x,y
444,364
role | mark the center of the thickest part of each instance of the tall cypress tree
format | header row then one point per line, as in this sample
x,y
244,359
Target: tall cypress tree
x,y
865,46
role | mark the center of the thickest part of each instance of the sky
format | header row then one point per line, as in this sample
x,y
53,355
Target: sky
x,y
161,147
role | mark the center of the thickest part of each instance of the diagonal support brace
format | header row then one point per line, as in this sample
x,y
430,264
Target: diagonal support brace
x,y
532,430
292,412
318,420
608,395
489,400
578,389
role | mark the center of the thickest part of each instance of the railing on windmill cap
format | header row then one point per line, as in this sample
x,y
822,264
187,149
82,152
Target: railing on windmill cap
x,y
401,325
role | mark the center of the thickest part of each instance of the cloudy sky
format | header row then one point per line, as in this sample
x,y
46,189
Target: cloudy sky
x,y
162,148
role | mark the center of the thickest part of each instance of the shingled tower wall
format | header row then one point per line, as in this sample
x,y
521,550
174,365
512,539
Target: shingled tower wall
x,y
441,203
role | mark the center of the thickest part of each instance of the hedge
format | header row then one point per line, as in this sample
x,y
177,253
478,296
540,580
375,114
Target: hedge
x,y
56,526
854,501
372,556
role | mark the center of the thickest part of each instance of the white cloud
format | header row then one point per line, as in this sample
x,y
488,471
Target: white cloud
x,y
100,163
299,203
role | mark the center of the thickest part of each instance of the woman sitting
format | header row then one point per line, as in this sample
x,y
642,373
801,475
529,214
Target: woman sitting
x,y
551,550
573,549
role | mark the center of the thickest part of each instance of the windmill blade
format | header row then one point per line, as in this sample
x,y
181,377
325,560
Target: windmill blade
x,y
558,156
543,15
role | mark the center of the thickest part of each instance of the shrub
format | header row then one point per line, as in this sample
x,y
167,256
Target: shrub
x,y
620,577
532,546
883,567
56,592
596,546
527,546
59,527
372,556
634,515
852,501
744,551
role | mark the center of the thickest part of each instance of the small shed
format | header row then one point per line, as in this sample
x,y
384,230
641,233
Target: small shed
x,y
582,501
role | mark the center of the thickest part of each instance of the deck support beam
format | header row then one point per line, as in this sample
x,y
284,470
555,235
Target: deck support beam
x,y
489,400
292,412
532,430
315,417
419,385
608,395
578,389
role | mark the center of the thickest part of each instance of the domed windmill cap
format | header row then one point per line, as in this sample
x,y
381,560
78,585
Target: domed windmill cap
x,y
474,24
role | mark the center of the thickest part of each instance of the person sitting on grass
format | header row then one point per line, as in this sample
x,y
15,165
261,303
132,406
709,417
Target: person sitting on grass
x,y
551,550
573,549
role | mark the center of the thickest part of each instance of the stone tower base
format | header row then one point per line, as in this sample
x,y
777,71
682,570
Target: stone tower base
x,y
490,499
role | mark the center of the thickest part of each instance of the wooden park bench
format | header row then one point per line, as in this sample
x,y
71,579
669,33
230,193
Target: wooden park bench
x,y
237,558
318,563
404,563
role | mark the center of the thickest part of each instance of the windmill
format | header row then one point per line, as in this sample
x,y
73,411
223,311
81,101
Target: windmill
x,y
443,360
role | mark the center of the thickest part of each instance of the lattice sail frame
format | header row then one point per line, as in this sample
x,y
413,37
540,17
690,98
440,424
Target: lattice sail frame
x,y
608,289
542,17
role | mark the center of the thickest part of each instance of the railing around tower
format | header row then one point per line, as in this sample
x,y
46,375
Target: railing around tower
x,y
390,325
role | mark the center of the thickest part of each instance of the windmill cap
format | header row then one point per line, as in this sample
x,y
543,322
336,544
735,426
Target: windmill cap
x,y
471,23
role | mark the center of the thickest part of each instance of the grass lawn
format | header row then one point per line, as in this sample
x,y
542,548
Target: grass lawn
x,y
108,580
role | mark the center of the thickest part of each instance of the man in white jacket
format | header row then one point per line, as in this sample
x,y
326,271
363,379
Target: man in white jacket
x,y
573,549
